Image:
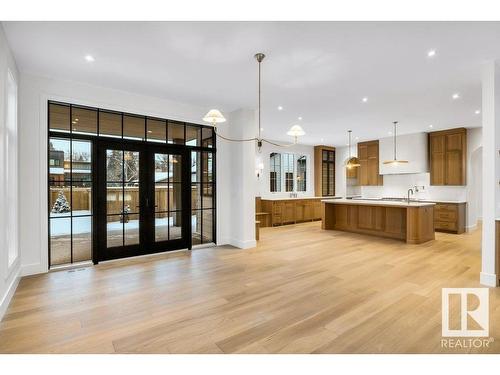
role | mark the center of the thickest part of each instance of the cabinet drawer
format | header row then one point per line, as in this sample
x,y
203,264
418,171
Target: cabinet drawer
x,y
445,216
445,207
277,208
445,225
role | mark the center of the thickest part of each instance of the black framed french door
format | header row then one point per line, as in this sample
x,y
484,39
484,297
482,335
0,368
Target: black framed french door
x,y
143,200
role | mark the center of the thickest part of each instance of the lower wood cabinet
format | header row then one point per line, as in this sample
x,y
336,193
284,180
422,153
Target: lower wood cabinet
x,y
412,224
449,217
387,221
291,211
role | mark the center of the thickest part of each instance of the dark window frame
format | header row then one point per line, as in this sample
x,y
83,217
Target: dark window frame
x,y
93,138
328,159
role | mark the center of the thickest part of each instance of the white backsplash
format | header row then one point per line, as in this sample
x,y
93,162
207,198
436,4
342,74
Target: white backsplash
x,y
398,185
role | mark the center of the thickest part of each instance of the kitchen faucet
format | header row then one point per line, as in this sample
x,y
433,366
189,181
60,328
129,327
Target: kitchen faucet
x,y
409,191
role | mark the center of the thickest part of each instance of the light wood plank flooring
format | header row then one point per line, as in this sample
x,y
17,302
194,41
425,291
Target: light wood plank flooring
x,y
302,290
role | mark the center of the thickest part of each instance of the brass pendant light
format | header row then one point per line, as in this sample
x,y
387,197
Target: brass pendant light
x,y
352,161
395,161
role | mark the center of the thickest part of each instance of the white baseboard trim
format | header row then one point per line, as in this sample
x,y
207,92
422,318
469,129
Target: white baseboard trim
x,y
8,295
30,269
488,279
247,244
471,228
223,241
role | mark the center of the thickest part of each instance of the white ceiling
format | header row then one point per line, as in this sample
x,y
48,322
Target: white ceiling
x,y
317,70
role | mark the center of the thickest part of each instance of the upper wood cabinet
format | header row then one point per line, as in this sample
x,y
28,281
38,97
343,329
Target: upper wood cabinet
x,y
324,171
448,157
368,155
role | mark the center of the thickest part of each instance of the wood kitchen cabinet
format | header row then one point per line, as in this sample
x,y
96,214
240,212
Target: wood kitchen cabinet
x,y
410,223
448,157
368,155
324,171
291,211
449,217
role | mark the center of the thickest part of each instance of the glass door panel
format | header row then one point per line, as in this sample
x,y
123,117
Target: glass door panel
x,y
168,197
142,199
122,197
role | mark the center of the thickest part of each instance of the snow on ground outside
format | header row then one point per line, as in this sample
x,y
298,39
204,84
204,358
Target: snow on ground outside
x,y
83,224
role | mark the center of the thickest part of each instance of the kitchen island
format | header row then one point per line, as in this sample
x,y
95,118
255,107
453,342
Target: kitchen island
x,y
412,222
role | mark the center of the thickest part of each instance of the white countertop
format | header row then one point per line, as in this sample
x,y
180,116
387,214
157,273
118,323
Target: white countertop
x,y
441,201
298,198
420,200
367,202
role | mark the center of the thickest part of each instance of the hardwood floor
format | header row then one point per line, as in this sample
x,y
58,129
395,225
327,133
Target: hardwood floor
x,y
302,290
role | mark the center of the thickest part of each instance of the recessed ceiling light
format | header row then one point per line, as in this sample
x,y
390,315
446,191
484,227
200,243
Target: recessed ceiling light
x,y
431,53
89,58
299,118
390,133
322,139
280,108
365,99
477,111
431,126
456,95
357,138
261,129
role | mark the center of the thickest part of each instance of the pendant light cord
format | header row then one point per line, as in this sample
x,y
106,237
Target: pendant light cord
x,y
233,139
349,143
257,139
259,103
395,157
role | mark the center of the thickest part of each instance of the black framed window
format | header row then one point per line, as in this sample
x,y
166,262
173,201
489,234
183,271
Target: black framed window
x,y
302,173
275,172
70,200
202,197
328,173
288,170
71,175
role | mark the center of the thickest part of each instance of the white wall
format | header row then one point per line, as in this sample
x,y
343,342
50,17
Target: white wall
x,y
491,169
474,189
34,93
9,236
240,184
341,155
262,183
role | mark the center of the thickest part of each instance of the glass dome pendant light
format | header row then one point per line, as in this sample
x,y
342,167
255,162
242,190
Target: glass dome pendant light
x,y
214,117
352,161
395,161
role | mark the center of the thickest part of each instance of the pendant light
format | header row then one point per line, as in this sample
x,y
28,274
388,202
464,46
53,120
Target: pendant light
x,y
214,117
352,161
395,161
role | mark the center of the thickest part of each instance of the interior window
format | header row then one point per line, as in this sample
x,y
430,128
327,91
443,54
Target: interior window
x,y
288,171
275,172
302,173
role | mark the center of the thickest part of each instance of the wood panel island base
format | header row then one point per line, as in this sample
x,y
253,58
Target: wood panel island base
x,y
413,222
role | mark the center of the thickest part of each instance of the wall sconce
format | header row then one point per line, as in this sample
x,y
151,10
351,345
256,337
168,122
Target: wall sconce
x,y
258,169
